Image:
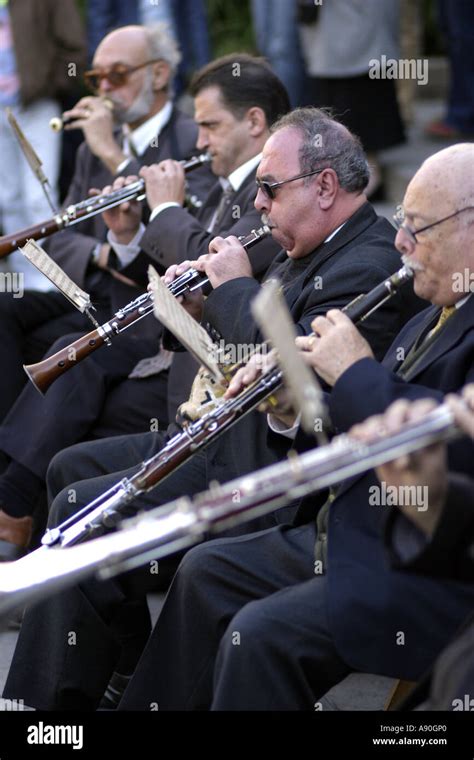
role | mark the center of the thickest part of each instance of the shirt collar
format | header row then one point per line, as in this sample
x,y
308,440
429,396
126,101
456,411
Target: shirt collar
x,y
334,233
239,175
141,138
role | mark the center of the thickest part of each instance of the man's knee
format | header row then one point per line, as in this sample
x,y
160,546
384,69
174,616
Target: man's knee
x,y
250,627
64,505
59,473
201,565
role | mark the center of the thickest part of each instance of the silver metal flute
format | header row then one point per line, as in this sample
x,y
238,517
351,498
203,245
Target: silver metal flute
x,y
186,521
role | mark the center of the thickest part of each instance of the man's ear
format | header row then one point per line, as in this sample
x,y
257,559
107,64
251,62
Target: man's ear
x,y
329,184
161,75
257,121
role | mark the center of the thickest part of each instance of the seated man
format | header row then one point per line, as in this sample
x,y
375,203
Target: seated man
x,y
144,127
98,398
255,623
335,247
437,541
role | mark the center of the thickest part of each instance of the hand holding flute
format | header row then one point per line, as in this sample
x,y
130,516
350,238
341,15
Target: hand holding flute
x,y
226,260
425,469
164,183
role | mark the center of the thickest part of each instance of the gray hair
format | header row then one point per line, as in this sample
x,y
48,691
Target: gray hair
x,y
327,143
161,44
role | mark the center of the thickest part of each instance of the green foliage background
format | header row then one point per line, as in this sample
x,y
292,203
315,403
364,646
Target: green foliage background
x,y
230,26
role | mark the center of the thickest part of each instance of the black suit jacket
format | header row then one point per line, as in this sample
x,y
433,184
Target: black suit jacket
x,y
174,235
449,552
359,257
72,248
382,620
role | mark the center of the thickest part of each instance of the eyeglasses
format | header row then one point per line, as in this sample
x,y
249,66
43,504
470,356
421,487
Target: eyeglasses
x,y
400,223
117,74
268,188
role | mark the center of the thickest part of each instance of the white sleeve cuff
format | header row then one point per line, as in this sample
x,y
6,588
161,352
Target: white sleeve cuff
x,y
277,426
158,209
122,165
126,253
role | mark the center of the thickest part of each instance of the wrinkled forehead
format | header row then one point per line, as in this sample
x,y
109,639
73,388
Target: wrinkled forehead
x,y
121,47
281,154
428,196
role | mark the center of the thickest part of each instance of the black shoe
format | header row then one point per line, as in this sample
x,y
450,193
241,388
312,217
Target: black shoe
x,y
114,691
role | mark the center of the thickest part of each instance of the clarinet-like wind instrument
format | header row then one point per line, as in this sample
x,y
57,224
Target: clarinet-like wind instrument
x,y
44,373
85,209
104,512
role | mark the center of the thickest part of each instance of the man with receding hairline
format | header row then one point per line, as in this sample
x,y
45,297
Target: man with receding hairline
x,y
97,398
351,251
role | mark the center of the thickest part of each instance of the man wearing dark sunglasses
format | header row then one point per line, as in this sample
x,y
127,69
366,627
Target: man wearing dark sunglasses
x,y
335,248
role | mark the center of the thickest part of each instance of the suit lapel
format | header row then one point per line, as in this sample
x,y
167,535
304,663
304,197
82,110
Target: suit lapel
x,y
459,323
420,325
354,226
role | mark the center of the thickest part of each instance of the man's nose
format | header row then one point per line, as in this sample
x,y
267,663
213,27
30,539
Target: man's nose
x,y
403,244
104,86
262,201
203,140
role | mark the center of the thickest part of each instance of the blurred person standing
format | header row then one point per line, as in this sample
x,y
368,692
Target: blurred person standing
x,y
457,23
105,15
41,54
188,22
339,49
276,33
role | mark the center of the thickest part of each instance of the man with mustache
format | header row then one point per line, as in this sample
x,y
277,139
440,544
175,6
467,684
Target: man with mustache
x,y
315,600
133,67
310,182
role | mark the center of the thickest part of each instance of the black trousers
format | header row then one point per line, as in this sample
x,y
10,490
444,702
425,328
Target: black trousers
x,y
49,672
243,628
28,327
94,399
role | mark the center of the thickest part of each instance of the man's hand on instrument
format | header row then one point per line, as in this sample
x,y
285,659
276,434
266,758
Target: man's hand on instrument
x,y
226,260
463,412
123,220
257,365
424,472
165,183
336,345
192,302
97,122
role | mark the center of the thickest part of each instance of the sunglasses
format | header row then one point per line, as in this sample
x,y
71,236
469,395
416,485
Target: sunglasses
x,y
117,75
268,188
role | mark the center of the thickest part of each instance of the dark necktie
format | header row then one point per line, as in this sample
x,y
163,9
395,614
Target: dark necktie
x,y
221,209
424,341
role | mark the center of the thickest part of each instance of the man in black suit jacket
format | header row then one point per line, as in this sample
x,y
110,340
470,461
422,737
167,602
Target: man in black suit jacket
x,y
261,624
437,540
144,108
337,247
34,428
